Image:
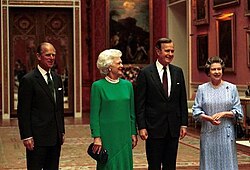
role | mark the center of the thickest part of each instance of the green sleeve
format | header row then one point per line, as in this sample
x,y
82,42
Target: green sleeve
x,y
95,103
132,112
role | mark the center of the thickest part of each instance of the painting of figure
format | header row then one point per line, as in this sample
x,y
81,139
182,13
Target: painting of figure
x,y
129,30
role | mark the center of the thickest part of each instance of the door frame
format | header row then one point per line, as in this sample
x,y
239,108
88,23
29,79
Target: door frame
x,y
5,54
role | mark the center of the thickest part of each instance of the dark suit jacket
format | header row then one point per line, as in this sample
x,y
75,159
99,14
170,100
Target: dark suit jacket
x,y
154,110
39,116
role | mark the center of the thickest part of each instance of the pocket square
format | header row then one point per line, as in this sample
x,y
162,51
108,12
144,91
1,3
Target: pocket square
x,y
177,83
59,88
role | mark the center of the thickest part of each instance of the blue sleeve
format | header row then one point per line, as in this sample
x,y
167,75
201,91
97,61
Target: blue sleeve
x,y
236,108
197,107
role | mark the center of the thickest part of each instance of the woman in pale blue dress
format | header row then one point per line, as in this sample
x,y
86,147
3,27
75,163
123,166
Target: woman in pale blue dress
x,y
216,105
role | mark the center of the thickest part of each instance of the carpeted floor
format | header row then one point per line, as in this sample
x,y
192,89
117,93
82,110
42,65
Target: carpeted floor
x,y
74,156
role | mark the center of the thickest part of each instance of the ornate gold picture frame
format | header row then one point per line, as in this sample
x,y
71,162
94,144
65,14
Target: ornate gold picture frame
x,y
247,7
225,27
202,50
248,47
201,12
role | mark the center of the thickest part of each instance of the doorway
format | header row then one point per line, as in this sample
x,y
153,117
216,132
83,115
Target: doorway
x,y
178,22
28,27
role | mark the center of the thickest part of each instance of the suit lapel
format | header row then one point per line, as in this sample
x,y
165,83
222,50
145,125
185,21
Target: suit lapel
x,y
157,81
43,83
56,83
173,79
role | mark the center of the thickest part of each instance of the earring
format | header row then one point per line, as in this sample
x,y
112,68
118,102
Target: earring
x,y
110,70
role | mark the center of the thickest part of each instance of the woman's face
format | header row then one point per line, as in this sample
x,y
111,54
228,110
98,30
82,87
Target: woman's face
x,y
215,72
116,68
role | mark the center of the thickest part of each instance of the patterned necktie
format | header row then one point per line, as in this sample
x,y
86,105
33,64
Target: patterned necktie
x,y
165,80
50,84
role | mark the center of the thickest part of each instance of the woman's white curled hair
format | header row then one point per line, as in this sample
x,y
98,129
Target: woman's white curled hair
x,y
105,59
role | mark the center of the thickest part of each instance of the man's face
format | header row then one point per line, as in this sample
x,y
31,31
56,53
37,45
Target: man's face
x,y
166,53
47,57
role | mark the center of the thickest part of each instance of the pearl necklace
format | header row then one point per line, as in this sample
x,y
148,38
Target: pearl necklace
x,y
112,80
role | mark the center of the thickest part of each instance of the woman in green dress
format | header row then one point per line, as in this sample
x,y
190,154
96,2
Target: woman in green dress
x,y
112,116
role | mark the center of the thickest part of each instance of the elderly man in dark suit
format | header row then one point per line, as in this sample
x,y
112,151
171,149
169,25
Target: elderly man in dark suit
x,y
41,113
161,107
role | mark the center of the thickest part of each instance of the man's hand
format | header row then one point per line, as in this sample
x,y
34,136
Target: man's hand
x,y
143,134
183,132
63,138
29,144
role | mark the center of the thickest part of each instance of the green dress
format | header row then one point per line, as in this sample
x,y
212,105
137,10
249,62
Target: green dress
x,y
112,118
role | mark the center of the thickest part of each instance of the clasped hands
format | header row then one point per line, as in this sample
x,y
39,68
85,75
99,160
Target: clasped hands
x,y
214,119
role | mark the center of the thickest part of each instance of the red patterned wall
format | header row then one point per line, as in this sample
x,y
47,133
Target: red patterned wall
x,y
242,24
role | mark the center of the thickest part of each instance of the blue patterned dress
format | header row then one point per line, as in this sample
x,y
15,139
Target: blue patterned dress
x,y
217,143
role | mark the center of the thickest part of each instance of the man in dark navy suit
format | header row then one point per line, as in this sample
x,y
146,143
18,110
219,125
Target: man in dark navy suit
x,y
161,107
40,112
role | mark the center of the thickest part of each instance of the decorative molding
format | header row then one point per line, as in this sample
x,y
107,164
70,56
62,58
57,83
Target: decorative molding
x,y
50,3
224,3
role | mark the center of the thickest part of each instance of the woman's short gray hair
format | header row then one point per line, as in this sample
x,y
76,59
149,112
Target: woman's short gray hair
x,y
105,59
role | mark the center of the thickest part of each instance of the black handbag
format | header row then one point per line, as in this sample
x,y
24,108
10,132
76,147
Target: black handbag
x,y
102,157
239,132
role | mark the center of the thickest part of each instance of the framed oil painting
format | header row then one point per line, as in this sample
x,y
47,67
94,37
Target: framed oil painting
x,y
247,7
248,48
225,28
224,3
129,29
201,12
202,50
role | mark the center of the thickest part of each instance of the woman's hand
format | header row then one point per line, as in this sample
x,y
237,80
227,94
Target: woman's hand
x,y
219,115
97,145
134,141
210,119
228,114
215,122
